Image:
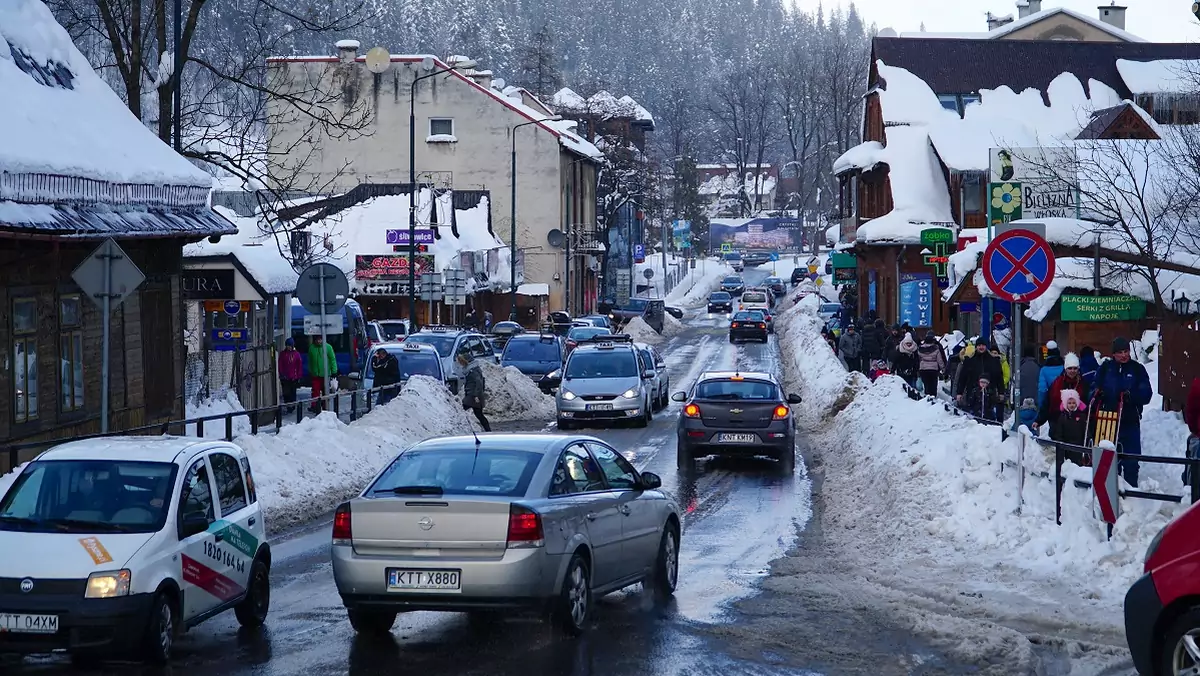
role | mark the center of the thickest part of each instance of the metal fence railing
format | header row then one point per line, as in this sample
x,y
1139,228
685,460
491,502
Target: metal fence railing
x,y
264,419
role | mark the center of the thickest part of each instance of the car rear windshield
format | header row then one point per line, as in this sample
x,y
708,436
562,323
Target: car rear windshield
x,y
720,295
830,307
585,332
737,390
602,364
732,280
392,330
462,471
442,343
89,496
637,304
733,256
531,349
754,297
749,317
411,364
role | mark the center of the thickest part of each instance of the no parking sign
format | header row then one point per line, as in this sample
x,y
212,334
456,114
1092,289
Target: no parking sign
x,y
1018,265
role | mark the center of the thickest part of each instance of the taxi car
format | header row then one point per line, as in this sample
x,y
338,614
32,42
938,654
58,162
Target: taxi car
x,y
450,342
603,381
415,359
732,413
126,542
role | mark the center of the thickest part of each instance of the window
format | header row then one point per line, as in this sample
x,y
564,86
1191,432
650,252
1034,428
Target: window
x,y
737,390
949,101
70,351
230,488
602,364
972,189
249,481
620,474
196,498
24,347
97,496
441,127
463,470
577,472
968,99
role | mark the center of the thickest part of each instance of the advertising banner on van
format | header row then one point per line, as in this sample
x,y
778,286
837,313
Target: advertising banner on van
x,y
389,267
762,234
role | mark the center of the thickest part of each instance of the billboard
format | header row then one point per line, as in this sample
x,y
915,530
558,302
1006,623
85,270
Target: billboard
x,y
681,234
389,267
773,234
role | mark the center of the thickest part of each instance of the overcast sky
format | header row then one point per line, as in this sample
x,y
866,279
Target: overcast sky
x,y
1156,20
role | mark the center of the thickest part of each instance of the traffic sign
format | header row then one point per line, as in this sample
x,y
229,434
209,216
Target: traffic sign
x,y
123,279
314,325
322,282
1018,266
431,286
639,253
774,255
726,247
1104,481
648,273
231,307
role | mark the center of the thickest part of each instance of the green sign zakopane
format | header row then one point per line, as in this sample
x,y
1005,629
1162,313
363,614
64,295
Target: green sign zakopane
x,y
1076,308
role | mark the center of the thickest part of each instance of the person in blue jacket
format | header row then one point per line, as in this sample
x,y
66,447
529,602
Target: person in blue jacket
x,y
1122,379
1051,369
1088,365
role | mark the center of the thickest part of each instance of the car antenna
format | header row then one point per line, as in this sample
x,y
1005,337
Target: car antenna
x,y
477,444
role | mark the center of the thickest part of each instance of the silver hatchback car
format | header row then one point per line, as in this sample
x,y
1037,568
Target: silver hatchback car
x,y
503,522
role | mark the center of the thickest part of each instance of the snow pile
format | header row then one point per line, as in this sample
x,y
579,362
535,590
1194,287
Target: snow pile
x,y
258,251
7,480
640,331
949,497
308,468
81,131
512,395
1161,76
693,291
219,405
671,326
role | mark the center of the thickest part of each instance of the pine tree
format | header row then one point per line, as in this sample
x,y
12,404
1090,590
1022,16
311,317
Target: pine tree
x,y
537,68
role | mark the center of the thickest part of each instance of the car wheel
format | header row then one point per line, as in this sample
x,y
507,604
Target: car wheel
x,y
731,340
684,456
159,640
666,568
575,598
252,611
371,622
566,424
647,416
787,460
1180,654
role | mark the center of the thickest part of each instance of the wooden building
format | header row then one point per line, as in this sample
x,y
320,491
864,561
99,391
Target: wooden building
x,y
76,170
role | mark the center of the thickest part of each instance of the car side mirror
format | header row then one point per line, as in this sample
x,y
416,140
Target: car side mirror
x,y
794,399
192,524
550,380
679,396
650,481
660,365
648,375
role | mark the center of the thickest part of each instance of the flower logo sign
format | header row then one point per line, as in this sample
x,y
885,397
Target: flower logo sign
x,y
1005,203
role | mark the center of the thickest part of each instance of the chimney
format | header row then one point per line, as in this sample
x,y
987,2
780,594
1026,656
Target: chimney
x,y
1027,7
481,77
347,50
995,22
1113,15
1035,6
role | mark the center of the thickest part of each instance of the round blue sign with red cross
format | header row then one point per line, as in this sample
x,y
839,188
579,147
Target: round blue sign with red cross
x,y
1018,266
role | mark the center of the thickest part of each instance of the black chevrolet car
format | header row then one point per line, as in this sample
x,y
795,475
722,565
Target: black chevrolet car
x,y
732,413
750,325
720,301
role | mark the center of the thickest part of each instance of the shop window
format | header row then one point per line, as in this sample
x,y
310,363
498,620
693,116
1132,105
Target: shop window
x,y
972,193
70,351
24,351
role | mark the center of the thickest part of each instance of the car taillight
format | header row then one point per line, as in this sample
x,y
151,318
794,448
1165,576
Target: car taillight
x,y
781,412
762,326
524,528
733,325
691,411
342,532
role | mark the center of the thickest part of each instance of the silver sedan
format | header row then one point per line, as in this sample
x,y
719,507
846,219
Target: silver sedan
x,y
503,522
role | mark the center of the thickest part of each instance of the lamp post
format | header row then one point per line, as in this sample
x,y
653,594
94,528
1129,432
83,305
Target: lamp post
x,y
427,64
1181,304
512,239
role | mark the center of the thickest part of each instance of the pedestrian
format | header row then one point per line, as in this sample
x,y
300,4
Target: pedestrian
x,y
1052,369
905,361
979,364
850,345
322,364
982,398
1123,385
879,367
1088,365
931,363
1027,375
386,373
474,395
873,336
1191,416
1005,369
1070,430
1070,379
291,371
891,340
1027,413
487,321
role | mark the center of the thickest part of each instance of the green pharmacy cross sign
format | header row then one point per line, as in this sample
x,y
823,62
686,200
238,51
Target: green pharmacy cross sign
x,y
939,240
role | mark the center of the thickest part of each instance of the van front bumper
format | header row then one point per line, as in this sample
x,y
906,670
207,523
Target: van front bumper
x,y
102,625
1142,608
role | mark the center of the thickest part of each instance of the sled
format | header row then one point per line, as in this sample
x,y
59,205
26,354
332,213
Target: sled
x,y
1108,423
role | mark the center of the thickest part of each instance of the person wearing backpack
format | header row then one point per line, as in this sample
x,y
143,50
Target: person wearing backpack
x,y
931,363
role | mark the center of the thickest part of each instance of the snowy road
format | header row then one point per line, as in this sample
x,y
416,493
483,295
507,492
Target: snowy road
x,y
732,614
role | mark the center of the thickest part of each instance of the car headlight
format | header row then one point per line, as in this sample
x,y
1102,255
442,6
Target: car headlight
x,y
108,584
631,393
567,395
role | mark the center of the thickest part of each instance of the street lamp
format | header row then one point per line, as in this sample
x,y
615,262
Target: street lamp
x,y
512,240
426,64
1181,304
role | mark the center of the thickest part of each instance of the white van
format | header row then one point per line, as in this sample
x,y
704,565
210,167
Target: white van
x,y
114,546
758,299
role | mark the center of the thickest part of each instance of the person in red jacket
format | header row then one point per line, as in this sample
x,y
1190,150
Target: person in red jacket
x,y
291,370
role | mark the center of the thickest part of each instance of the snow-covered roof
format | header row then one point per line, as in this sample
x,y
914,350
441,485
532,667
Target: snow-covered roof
x,y
1161,76
258,252
540,289
601,103
59,118
864,156
639,113
1017,25
959,35
347,44
920,198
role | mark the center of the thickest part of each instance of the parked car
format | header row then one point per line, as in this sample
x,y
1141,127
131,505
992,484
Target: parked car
x,y
748,326
415,359
651,311
502,331
799,274
660,384
736,413
776,286
116,546
598,320
503,522
533,354
1162,609
720,301
828,311
675,312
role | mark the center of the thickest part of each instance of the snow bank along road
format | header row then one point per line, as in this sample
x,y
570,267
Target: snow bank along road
x,y
735,612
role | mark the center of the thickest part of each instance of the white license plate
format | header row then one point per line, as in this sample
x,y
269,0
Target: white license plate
x,y
737,438
18,623
599,407
399,579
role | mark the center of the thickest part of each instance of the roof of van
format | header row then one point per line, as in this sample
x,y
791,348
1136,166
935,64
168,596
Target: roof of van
x,y
131,448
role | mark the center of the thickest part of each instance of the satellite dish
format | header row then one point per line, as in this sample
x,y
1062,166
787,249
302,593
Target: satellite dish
x,y
499,83
556,238
427,63
378,60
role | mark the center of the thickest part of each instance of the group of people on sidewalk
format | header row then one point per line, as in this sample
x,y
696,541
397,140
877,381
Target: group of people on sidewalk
x,y
874,350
